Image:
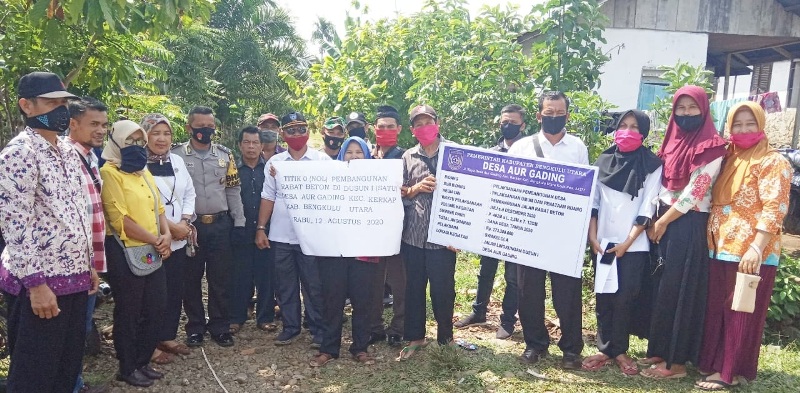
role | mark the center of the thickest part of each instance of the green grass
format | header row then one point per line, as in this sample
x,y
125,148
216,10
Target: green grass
x,y
494,366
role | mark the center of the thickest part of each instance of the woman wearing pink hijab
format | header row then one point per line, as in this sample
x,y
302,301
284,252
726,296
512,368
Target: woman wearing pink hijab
x,y
692,153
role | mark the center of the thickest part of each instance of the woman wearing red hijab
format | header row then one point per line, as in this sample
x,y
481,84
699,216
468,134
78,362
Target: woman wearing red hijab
x,y
692,153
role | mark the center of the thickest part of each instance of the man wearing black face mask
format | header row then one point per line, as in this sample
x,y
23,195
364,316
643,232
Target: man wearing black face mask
x,y
553,143
333,136
220,217
47,263
357,126
512,122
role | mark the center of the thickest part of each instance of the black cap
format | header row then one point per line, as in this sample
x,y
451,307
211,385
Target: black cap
x,y
42,84
422,110
356,117
292,118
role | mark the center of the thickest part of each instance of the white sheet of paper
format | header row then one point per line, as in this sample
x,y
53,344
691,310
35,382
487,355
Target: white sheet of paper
x,y
605,276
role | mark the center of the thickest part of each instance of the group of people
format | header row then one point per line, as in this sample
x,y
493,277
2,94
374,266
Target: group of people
x,y
155,218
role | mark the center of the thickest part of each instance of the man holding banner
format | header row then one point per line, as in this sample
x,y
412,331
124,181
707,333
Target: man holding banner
x,y
555,144
292,266
425,261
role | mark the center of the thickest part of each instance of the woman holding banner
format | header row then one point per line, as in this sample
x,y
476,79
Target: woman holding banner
x,y
629,177
750,200
341,278
692,154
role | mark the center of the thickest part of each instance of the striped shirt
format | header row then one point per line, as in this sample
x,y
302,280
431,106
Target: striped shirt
x,y
93,184
417,166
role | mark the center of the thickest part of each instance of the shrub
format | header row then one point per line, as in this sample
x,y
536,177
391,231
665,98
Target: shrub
x,y
784,309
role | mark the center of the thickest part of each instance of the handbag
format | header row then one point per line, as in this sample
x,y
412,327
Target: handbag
x,y
144,259
744,294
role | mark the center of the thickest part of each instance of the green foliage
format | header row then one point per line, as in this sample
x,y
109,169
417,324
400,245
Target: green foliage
x,y
567,49
466,67
136,106
784,309
677,76
233,63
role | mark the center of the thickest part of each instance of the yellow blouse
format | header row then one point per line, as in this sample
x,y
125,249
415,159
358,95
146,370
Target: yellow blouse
x,y
126,194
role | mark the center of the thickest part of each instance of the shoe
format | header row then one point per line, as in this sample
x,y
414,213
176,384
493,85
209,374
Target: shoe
x,y
151,373
376,338
469,320
394,340
136,378
388,301
194,340
504,332
286,338
223,339
571,361
532,356
316,343
93,389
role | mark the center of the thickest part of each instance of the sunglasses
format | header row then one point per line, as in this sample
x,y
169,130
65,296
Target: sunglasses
x,y
295,130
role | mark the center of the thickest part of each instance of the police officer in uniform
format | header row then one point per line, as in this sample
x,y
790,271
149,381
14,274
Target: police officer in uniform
x,y
220,217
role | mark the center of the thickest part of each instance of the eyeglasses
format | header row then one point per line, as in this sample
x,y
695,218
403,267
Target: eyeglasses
x,y
295,130
135,142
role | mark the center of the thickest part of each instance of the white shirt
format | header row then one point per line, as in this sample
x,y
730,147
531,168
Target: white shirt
x,y
569,149
280,227
177,194
618,213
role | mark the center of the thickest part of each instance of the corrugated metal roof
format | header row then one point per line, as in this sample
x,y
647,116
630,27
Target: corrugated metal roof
x,y
792,6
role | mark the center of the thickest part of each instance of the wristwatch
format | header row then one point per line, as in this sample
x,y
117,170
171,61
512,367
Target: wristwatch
x,y
261,228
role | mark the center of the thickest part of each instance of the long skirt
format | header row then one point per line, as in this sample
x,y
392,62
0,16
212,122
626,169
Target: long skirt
x,y
680,286
732,339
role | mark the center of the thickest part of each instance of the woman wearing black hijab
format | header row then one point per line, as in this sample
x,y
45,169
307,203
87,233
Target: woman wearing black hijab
x,y
624,202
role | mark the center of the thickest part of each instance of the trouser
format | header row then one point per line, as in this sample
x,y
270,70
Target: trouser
x,y
253,267
566,292
139,306
175,269
213,258
486,284
293,269
343,277
439,267
391,270
46,354
614,310
91,301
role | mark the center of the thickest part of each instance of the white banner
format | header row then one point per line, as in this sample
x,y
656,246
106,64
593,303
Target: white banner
x,y
534,212
341,209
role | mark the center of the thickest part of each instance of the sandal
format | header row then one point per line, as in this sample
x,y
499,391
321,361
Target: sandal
x,y
364,358
595,362
627,365
234,328
649,361
720,384
656,372
178,349
320,359
409,350
268,326
163,358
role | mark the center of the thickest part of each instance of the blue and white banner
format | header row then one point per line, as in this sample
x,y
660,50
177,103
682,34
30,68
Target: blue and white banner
x,y
530,211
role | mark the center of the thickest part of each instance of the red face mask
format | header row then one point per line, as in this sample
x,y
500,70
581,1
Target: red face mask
x,y
426,134
627,140
297,143
386,137
748,140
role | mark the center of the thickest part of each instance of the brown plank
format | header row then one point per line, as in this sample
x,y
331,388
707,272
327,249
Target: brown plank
x,y
624,13
688,15
667,15
646,14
